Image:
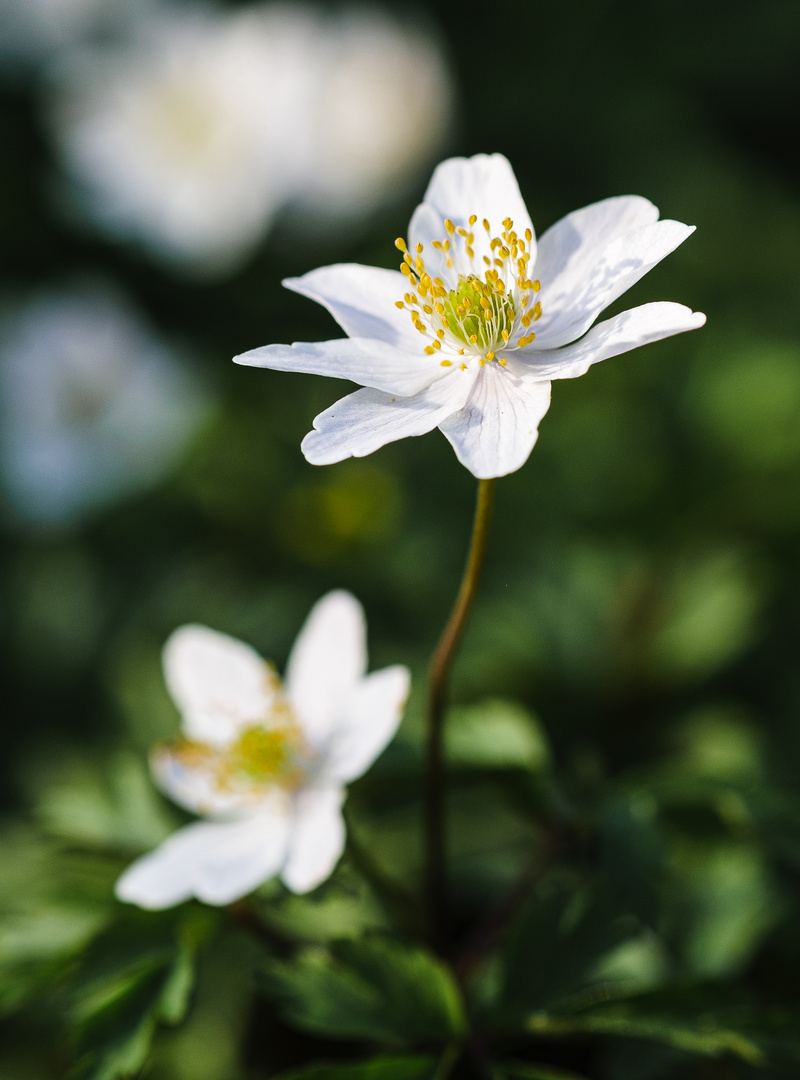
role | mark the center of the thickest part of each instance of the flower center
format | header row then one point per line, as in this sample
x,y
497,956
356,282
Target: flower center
x,y
267,754
475,307
263,754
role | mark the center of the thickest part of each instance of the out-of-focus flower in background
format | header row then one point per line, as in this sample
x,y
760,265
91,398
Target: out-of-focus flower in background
x,y
180,136
381,109
266,765
93,406
33,31
192,134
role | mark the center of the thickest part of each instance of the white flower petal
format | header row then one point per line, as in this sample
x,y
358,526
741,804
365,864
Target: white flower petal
x,y
367,722
497,428
362,299
219,684
626,331
569,249
317,838
363,422
328,659
621,265
193,785
216,861
484,185
364,361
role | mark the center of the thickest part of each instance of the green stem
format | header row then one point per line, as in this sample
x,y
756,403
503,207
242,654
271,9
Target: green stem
x,y
437,694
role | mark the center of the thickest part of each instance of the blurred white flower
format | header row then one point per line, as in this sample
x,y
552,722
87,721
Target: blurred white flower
x,y
380,111
184,138
266,764
31,31
92,405
192,135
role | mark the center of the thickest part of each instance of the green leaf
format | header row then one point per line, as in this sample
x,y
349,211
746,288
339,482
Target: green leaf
x,y
388,1067
138,975
701,1037
525,1070
709,1019
52,903
560,936
372,988
496,734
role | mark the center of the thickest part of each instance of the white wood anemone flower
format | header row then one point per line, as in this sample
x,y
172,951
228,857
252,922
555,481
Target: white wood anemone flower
x,y
265,762
468,336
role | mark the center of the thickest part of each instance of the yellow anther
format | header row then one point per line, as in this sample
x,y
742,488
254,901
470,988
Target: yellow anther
x,y
504,334
486,225
440,334
487,260
528,235
536,285
419,249
502,362
461,353
445,322
463,366
400,244
427,309
407,259
446,363
473,339
420,265
521,342
399,303
462,231
473,218
429,349
508,223
439,307
537,310
487,315
470,252
485,304
448,224
436,344
526,319
490,356
437,244
482,361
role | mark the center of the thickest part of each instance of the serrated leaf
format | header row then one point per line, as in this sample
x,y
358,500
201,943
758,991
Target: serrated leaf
x,y
52,904
140,974
703,1037
386,1067
555,944
372,988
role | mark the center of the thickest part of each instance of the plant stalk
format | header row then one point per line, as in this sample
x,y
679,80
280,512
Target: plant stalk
x,y
434,879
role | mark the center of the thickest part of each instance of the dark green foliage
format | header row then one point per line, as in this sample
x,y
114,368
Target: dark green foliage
x,y
380,1068
133,978
373,988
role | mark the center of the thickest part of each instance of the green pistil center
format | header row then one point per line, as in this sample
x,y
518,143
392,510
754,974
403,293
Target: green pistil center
x,y
478,315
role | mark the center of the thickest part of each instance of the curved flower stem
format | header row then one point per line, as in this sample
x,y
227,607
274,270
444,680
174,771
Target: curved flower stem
x,y
437,691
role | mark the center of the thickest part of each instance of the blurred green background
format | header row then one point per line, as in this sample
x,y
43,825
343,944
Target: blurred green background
x,y
642,591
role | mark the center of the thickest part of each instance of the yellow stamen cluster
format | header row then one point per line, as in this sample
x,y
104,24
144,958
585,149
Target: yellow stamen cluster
x,y
264,755
493,305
